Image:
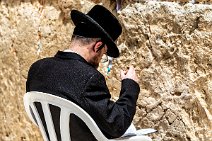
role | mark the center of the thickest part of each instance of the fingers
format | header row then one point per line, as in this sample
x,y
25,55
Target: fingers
x,y
131,69
123,74
131,74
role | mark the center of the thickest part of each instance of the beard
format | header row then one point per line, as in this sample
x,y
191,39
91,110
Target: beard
x,y
94,61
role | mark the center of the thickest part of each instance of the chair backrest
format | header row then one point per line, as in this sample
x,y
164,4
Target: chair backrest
x,y
66,108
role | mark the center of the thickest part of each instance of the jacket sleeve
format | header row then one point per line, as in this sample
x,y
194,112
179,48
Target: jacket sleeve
x,y
113,118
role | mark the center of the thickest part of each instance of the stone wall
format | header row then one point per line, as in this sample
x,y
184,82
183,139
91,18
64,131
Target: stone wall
x,y
169,44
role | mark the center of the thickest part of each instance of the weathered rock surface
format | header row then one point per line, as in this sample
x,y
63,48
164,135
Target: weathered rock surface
x,y
172,48
169,44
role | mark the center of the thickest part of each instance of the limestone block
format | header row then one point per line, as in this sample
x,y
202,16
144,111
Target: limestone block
x,y
178,39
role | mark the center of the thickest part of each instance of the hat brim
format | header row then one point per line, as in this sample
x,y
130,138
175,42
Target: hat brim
x,y
79,17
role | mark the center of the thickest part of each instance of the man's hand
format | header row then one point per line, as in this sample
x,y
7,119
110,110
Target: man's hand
x,y
130,74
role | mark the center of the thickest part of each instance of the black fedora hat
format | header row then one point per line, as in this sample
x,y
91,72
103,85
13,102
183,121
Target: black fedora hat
x,y
98,22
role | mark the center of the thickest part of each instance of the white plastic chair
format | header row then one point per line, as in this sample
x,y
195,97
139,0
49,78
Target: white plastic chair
x,y
66,107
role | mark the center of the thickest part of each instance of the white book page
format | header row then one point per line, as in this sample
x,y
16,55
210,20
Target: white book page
x,y
141,132
131,131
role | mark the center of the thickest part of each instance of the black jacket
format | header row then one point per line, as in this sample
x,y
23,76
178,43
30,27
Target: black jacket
x,y
68,75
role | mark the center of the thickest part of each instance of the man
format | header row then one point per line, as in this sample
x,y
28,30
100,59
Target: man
x,y
73,74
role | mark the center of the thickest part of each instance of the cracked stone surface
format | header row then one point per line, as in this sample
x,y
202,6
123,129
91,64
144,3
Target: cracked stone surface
x,y
169,44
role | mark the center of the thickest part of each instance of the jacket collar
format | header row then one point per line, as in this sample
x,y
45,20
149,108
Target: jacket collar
x,y
70,55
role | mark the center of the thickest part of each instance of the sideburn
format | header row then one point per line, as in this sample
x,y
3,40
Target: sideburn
x,y
94,61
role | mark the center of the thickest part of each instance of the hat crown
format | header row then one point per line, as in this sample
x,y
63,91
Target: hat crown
x,y
106,20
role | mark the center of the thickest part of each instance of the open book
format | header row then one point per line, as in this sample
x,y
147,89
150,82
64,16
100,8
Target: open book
x,y
131,131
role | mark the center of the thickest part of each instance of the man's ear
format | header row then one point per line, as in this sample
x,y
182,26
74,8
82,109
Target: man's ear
x,y
97,46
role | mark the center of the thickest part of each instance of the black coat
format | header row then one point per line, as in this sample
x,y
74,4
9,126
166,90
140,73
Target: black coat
x,y
68,75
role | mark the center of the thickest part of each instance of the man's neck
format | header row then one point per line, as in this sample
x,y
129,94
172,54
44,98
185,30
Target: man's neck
x,y
80,50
